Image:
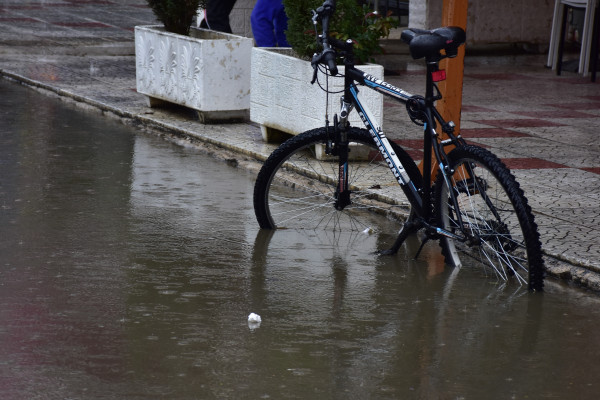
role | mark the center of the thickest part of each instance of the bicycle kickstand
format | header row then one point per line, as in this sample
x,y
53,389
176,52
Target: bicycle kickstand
x,y
411,226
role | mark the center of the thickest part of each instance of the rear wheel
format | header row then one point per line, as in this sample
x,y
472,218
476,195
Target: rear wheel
x,y
296,187
500,229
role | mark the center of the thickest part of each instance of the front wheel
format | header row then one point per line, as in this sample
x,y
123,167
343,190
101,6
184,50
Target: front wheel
x,y
296,187
491,214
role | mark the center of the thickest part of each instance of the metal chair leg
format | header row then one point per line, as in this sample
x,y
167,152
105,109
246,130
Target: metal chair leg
x,y
561,39
595,48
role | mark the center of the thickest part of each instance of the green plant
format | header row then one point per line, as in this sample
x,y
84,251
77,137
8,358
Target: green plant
x,y
176,15
350,21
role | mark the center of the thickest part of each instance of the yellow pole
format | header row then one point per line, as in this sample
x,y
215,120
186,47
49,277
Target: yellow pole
x,y
454,13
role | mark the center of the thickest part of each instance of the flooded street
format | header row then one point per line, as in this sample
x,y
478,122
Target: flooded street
x,y
129,266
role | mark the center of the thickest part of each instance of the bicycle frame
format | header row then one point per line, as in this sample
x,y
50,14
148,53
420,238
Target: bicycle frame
x,y
425,111
495,227
418,197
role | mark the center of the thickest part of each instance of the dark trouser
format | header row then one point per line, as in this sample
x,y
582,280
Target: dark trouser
x,y
269,23
217,15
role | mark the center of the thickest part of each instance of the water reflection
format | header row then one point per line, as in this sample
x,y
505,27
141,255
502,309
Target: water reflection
x,y
393,332
62,228
129,266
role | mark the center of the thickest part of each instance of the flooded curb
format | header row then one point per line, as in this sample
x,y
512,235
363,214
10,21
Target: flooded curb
x,y
557,266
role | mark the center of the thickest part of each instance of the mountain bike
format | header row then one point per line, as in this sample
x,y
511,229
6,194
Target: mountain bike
x,y
340,178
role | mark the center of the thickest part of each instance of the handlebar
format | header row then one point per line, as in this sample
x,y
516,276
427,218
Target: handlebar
x,y
327,56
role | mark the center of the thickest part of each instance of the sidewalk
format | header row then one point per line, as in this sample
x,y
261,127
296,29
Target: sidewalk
x,y
544,127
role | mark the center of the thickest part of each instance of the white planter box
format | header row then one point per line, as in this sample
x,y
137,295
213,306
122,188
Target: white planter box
x,y
282,98
207,71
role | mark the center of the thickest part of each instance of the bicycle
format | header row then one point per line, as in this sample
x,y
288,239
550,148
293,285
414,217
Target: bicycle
x,y
338,177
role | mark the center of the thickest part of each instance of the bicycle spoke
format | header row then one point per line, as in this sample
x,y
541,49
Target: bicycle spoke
x,y
493,214
295,190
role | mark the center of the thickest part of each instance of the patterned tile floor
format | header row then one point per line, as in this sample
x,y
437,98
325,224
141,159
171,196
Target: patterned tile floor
x,y
543,126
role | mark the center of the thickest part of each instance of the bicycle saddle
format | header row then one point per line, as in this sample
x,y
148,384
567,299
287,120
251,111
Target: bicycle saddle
x,y
428,44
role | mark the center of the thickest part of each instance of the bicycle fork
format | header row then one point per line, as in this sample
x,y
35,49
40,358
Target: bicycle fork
x,y
342,193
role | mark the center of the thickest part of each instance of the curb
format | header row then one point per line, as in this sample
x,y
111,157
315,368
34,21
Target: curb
x,y
558,266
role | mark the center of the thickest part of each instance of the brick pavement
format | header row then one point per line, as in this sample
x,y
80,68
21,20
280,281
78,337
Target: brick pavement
x,y
543,126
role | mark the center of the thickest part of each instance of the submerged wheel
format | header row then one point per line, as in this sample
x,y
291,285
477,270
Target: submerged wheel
x,y
296,187
500,229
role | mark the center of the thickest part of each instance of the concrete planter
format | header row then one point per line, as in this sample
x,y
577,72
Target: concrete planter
x,y
283,100
206,71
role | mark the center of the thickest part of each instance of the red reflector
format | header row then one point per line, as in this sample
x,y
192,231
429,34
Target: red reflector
x,y
439,76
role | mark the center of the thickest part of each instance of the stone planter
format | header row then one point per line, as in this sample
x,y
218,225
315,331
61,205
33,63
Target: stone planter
x,y
207,71
283,100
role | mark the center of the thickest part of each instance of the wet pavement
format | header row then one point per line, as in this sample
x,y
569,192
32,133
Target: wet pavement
x,y
542,125
129,265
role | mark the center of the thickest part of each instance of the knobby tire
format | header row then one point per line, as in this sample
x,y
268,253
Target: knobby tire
x,y
502,233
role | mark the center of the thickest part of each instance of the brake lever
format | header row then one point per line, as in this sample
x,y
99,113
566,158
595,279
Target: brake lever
x,y
315,64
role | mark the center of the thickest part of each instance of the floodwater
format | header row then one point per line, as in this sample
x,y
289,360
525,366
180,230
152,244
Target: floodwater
x,y
129,266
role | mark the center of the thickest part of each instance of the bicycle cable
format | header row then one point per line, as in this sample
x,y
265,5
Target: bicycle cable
x,y
326,98
323,70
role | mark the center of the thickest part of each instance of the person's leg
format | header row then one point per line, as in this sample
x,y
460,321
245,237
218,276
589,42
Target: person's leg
x,y
261,20
217,15
280,23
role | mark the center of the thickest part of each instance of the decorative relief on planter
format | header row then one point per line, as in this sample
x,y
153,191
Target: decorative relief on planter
x,y
192,84
167,57
208,71
145,61
283,99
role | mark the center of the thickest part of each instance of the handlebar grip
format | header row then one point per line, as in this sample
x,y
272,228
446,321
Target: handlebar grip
x,y
332,67
340,44
407,36
329,58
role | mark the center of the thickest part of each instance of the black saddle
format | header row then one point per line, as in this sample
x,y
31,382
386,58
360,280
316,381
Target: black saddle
x,y
428,44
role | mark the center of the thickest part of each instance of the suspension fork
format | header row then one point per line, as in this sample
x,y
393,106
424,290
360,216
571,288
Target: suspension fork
x,y
342,192
341,148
